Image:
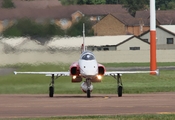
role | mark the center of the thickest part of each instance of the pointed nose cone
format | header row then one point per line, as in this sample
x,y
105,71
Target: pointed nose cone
x,y
88,68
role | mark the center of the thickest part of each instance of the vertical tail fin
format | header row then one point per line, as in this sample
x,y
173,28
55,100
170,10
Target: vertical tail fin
x,y
83,48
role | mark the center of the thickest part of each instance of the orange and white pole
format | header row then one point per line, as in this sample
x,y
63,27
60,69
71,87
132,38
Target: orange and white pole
x,y
153,64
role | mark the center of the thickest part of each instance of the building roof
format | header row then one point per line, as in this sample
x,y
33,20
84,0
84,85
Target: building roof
x,y
101,9
59,12
164,17
131,38
89,41
167,28
30,13
35,3
126,18
23,43
170,28
142,14
13,42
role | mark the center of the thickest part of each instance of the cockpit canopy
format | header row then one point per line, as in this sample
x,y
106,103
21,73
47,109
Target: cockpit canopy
x,y
87,56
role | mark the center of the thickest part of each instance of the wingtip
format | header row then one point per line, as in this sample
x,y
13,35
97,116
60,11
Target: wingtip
x,y
15,72
157,72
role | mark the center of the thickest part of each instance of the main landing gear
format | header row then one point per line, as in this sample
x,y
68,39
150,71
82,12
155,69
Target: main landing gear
x,y
51,85
119,84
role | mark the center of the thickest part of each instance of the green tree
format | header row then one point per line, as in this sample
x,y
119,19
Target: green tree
x,y
133,5
72,2
12,32
69,2
171,5
77,28
52,30
114,2
165,4
94,1
7,4
26,27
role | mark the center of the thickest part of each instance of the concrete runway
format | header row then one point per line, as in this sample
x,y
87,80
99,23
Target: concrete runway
x,y
20,106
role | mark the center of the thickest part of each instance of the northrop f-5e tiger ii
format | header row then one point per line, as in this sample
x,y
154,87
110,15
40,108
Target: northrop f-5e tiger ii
x,y
89,69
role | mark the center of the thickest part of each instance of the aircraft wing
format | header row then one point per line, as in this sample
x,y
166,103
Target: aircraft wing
x,y
129,72
45,73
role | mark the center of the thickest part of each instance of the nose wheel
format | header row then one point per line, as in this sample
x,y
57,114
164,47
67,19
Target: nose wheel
x,y
88,93
88,81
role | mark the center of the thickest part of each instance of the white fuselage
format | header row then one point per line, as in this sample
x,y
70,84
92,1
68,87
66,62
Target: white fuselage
x,y
88,65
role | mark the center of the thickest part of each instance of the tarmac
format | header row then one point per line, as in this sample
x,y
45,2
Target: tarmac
x,y
34,106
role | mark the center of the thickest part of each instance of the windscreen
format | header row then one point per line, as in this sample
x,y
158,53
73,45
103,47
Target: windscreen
x,y
88,57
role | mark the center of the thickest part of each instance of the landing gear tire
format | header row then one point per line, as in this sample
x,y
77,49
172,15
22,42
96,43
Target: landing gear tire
x,y
51,91
120,88
88,93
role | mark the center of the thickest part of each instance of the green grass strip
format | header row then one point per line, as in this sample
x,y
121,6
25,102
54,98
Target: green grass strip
x,y
38,84
116,117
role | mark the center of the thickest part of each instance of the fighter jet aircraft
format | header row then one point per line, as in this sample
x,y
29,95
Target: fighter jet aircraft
x,y
89,69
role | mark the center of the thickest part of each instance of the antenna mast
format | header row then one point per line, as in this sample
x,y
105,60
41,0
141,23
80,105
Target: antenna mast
x,y
83,37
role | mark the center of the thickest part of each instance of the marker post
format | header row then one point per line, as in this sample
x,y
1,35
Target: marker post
x,y
153,64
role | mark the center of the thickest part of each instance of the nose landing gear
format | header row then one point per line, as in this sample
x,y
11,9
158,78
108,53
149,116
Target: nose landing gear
x,y
87,87
88,81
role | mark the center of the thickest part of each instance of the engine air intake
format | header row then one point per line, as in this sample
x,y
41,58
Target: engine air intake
x,y
101,70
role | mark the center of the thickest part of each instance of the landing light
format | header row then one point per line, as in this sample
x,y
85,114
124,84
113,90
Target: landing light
x,y
74,77
99,77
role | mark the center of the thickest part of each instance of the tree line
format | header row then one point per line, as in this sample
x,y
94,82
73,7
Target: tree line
x,y
29,28
131,5
160,4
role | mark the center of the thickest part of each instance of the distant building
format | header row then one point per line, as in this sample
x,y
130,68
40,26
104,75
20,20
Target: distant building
x,y
21,44
165,37
63,16
123,23
95,43
100,43
120,24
